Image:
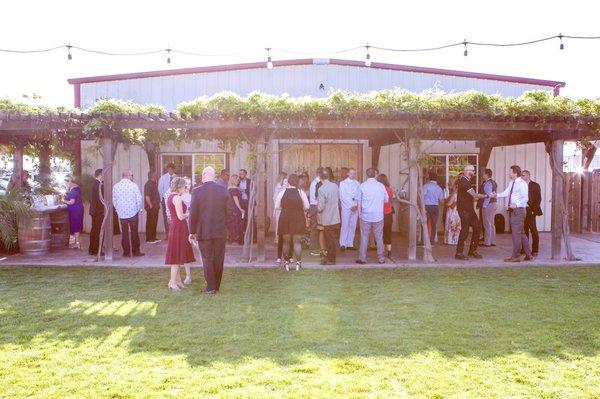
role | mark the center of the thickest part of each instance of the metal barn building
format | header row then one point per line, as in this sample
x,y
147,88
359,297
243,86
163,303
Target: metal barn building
x,y
316,78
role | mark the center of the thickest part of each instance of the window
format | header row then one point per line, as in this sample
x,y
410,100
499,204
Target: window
x,y
448,166
191,165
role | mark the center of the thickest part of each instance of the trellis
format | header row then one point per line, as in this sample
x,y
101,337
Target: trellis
x,y
379,129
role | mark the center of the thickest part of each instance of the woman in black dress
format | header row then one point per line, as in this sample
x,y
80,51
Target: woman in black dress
x,y
293,203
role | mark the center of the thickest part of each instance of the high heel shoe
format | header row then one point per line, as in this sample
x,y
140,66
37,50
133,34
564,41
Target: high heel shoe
x,y
188,280
173,288
286,265
298,265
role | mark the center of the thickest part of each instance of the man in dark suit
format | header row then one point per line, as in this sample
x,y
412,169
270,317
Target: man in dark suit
x,y
210,211
534,209
96,211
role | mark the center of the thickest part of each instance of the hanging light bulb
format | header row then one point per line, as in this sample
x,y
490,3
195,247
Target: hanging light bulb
x,y
69,56
466,52
562,46
368,57
269,61
168,56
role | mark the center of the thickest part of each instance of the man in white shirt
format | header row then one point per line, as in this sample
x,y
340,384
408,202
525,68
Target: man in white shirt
x,y
127,200
164,186
349,205
313,193
517,193
371,196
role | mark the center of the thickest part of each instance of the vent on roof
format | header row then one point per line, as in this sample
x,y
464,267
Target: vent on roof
x,y
321,61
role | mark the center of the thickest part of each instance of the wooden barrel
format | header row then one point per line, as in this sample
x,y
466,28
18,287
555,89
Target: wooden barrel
x,y
34,237
60,234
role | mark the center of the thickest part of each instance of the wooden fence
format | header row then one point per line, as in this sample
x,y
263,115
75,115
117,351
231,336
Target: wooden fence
x,y
583,202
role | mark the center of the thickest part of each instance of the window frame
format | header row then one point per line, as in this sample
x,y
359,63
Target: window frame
x,y
193,155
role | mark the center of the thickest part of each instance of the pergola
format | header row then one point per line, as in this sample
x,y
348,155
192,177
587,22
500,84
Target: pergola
x,y
380,130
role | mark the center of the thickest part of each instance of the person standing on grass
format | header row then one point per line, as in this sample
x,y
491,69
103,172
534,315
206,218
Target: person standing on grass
x,y
517,193
348,190
534,209
433,195
164,184
468,217
293,204
329,212
96,212
152,206
488,207
128,203
75,210
210,213
371,198
179,249
388,214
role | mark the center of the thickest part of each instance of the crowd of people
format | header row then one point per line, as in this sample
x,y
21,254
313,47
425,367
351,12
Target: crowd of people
x,y
325,215
523,203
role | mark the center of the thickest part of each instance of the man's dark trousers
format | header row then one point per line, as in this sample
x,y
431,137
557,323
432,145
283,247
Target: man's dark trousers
x,y
468,219
213,256
151,221
130,238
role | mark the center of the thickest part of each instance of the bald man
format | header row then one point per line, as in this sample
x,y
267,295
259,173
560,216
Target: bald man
x,y
210,211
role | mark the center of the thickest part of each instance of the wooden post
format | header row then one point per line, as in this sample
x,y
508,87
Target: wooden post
x,y
412,197
18,165
375,151
45,169
261,203
557,200
107,172
485,151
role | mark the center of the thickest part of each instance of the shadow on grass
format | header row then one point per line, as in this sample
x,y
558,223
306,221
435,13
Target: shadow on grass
x,y
483,313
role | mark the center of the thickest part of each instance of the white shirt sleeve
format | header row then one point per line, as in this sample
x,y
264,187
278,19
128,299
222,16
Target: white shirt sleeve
x,y
278,199
506,192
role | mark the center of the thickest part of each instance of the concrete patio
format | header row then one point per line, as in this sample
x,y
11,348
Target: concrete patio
x,y
585,246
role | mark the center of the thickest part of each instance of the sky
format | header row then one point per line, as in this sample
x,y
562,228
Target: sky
x,y
240,30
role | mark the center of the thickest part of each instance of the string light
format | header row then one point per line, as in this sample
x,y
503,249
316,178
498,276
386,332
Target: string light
x,y
464,43
269,61
562,46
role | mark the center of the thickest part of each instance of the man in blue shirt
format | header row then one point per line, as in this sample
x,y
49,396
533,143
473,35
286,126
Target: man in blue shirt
x,y
371,196
433,196
489,206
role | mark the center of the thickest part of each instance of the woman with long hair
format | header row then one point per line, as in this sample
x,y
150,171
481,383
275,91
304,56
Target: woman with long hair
x,y
75,210
179,249
293,204
388,214
236,231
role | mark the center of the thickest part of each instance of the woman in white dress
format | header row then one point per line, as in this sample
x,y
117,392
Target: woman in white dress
x,y
452,227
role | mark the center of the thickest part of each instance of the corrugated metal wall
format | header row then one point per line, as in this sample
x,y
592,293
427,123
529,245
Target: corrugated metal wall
x,y
297,81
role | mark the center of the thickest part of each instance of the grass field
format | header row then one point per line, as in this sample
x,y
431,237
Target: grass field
x,y
431,333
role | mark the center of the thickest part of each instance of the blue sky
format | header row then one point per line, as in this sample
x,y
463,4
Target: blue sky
x,y
246,28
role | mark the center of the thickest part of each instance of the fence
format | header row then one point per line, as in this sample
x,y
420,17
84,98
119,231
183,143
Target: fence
x,y
583,201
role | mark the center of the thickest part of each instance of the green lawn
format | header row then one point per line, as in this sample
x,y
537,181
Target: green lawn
x,y
431,333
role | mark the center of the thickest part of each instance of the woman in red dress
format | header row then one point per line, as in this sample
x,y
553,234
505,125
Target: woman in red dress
x,y
179,249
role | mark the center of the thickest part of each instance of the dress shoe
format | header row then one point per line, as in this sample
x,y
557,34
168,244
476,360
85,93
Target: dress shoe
x,y
475,255
512,260
381,261
350,249
211,292
461,257
138,254
360,262
534,254
343,248
528,258
127,255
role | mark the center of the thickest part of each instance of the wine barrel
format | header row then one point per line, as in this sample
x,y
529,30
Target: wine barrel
x,y
34,236
59,220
